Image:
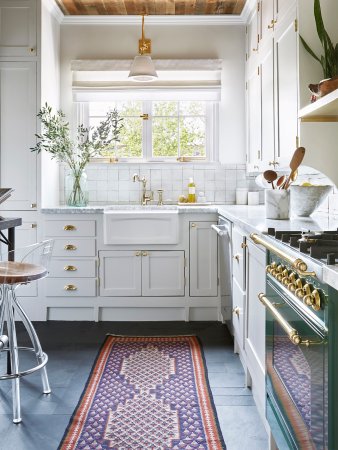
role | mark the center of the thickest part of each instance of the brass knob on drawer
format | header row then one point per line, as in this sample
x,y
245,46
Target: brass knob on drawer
x,y
69,227
70,287
144,253
193,225
70,268
137,253
236,310
70,247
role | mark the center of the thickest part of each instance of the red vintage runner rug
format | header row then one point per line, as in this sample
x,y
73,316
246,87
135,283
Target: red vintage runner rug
x,y
146,393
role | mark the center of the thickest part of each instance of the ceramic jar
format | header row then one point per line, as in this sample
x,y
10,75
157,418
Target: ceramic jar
x,y
277,204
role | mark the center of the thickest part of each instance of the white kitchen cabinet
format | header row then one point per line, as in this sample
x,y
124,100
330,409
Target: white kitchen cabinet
x,y
163,273
203,260
238,316
129,273
253,33
253,86
255,322
272,89
18,31
17,134
286,63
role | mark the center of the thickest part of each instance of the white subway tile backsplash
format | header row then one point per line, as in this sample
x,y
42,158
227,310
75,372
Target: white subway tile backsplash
x,y
114,183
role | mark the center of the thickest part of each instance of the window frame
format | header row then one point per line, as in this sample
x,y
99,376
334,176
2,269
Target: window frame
x,y
81,116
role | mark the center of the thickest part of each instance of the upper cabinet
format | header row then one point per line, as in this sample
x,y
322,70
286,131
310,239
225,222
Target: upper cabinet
x,y
272,87
18,32
18,165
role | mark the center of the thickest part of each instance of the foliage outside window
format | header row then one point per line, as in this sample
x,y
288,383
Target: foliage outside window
x,y
174,129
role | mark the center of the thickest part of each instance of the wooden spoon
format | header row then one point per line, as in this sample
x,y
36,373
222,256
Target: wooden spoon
x,y
295,162
270,176
281,181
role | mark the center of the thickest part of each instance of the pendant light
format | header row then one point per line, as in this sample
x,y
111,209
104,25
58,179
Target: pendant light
x,y
143,68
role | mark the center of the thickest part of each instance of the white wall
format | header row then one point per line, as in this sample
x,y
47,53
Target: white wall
x,y
121,42
50,93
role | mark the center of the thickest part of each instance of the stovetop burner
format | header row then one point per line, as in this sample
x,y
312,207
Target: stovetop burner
x,y
317,244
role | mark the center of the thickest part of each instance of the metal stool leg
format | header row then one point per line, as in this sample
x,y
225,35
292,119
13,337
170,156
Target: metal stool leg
x,y
14,357
35,341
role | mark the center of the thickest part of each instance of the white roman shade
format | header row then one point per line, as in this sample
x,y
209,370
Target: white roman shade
x,y
182,79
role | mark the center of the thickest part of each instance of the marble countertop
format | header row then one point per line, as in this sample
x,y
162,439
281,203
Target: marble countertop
x,y
100,209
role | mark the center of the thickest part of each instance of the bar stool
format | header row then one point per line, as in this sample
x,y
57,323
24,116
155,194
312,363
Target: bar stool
x,y
21,267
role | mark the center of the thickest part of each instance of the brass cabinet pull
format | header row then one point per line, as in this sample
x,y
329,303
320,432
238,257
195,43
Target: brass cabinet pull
x,y
237,257
33,205
272,24
273,163
236,310
70,247
244,245
291,332
70,268
137,253
69,227
144,253
70,287
298,264
193,225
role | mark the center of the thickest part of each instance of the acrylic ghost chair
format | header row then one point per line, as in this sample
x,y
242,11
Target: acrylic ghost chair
x,y
20,267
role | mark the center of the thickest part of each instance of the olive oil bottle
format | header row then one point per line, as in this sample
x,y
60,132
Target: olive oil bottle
x,y
191,191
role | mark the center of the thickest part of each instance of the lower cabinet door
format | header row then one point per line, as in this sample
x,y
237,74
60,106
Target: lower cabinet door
x,y
120,273
162,273
203,260
238,299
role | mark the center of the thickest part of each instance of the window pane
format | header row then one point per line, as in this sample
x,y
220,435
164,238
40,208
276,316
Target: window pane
x,y
129,108
192,136
130,145
100,108
165,108
165,137
192,108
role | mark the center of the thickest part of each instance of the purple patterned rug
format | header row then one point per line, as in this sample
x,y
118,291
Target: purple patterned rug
x,y
146,393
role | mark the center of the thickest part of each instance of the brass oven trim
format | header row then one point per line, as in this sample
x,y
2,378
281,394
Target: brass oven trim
x,y
298,264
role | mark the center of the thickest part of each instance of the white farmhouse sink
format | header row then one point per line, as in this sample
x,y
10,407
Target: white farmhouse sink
x,y
140,226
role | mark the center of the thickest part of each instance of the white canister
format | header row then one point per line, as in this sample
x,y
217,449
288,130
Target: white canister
x,y
253,198
241,196
277,204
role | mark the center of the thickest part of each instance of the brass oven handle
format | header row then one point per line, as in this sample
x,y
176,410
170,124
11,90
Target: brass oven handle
x,y
291,332
298,264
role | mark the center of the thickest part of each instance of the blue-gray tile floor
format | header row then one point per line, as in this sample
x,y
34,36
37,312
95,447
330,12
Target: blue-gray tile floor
x,y
72,347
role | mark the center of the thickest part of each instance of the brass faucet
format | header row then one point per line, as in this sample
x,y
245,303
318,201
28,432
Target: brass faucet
x,y
146,196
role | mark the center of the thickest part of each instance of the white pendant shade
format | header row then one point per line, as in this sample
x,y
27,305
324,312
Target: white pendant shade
x,y
142,69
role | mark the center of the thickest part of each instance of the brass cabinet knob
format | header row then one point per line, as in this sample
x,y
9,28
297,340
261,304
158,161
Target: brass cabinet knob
x,y
193,225
70,247
237,257
236,310
33,205
70,268
70,287
244,245
69,227
144,253
137,253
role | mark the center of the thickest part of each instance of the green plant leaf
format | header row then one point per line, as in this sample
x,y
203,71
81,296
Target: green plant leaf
x,y
308,49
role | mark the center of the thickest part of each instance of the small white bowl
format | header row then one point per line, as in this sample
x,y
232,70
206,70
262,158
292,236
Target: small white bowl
x,y
306,199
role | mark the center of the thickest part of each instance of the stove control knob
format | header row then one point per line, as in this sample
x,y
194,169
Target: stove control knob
x,y
307,296
268,268
292,287
282,275
293,277
313,300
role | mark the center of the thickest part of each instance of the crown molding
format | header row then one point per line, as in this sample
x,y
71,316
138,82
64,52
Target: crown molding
x,y
155,20
53,8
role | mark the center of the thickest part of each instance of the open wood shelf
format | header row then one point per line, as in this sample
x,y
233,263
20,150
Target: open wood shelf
x,y
323,110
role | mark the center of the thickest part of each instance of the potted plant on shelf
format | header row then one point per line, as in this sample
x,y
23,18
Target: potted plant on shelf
x,y
55,139
328,61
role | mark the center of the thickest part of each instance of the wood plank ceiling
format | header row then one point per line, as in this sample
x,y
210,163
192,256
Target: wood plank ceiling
x,y
151,7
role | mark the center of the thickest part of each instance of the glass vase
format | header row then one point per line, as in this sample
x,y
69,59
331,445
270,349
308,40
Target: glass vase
x,y
76,190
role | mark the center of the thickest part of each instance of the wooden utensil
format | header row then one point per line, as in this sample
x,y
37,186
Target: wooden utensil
x,y
295,162
270,176
281,180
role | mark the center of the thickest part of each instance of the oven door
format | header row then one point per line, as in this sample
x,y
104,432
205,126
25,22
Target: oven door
x,y
296,377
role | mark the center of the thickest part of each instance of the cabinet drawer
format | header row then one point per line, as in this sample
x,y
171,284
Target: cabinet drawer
x,y
71,287
76,268
238,304
74,247
70,228
238,257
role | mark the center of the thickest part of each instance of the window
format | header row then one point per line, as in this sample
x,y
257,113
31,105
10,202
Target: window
x,y
160,130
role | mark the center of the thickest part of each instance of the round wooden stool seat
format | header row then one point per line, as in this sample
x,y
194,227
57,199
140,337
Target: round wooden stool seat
x,y
12,272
